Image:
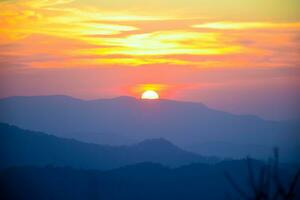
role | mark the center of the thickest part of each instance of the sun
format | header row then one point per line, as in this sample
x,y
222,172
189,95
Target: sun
x,y
150,94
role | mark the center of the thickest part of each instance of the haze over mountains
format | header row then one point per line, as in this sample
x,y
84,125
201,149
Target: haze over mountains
x,y
27,148
126,120
36,165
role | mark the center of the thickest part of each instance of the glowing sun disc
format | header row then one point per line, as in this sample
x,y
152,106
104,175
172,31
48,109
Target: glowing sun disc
x,y
150,94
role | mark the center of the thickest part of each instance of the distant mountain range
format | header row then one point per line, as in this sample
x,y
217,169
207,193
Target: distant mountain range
x,y
27,148
146,181
126,120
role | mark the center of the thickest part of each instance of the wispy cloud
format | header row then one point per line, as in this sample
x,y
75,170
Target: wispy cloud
x,y
248,25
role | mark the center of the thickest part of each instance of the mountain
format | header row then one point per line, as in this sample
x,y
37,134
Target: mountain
x,y
22,147
147,181
126,120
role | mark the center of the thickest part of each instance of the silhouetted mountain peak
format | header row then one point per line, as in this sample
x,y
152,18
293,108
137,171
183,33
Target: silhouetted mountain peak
x,y
42,149
156,143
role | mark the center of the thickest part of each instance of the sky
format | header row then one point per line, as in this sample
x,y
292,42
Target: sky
x,y
237,56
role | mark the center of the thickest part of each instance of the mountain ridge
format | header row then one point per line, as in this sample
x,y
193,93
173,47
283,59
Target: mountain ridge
x,y
124,97
23,147
146,181
184,123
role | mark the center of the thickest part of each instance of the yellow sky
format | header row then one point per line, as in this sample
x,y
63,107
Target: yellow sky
x,y
144,32
169,37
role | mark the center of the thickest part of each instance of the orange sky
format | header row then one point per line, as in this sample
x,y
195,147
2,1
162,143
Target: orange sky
x,y
240,56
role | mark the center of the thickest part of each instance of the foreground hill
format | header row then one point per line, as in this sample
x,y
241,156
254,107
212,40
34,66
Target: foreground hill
x,y
22,147
145,181
127,120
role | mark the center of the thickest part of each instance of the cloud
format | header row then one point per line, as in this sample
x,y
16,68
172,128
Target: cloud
x,y
248,25
42,3
93,36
